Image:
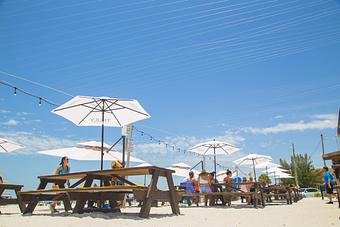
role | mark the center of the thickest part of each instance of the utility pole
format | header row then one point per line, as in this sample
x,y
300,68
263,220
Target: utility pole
x,y
295,167
129,144
323,149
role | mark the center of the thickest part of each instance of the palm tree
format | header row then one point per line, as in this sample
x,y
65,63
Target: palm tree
x,y
308,176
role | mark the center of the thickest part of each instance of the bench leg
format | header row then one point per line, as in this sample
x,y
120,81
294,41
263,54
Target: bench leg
x,y
173,194
67,203
32,204
20,203
145,210
80,204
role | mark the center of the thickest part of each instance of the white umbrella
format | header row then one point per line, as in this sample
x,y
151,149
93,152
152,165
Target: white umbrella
x,y
88,153
267,165
214,148
144,164
253,159
9,146
277,170
182,165
182,169
285,176
102,111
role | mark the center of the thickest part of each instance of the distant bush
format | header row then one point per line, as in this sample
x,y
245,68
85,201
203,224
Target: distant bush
x,y
317,194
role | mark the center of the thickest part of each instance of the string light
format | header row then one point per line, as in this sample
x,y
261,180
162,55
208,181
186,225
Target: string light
x,y
16,90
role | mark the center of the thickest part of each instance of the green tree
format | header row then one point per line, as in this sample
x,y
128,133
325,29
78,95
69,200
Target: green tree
x,y
264,178
308,176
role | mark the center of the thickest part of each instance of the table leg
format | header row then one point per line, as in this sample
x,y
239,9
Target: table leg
x,y
80,204
145,210
20,203
32,204
173,194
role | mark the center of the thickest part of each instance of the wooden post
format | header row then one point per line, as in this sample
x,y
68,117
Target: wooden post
x,y
323,149
295,167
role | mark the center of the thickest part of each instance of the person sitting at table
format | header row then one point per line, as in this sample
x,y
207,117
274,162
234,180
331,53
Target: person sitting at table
x,y
191,186
204,181
115,180
63,168
214,188
244,188
228,180
251,188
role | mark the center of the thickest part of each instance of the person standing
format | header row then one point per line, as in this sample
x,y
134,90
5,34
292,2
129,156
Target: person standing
x,y
328,180
63,168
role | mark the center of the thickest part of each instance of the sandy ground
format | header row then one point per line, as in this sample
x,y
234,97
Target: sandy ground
x,y
308,212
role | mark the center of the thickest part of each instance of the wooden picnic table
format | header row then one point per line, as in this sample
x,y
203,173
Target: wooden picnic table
x,y
113,193
278,191
226,191
14,187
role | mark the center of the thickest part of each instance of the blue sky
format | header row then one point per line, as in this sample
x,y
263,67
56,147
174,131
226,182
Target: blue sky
x,y
259,74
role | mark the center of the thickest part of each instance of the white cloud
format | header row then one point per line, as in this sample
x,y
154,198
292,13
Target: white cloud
x,y
11,122
4,111
185,142
22,113
34,143
278,117
321,121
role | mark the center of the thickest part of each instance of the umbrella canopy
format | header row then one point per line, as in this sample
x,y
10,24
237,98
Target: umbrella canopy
x,y
253,159
214,148
282,175
102,111
267,165
276,170
9,146
181,172
88,153
182,165
144,164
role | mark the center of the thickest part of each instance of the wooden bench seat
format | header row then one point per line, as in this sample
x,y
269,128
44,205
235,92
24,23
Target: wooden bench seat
x,y
254,195
14,187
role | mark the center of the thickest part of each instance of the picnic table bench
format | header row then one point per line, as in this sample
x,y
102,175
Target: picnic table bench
x,y
279,192
226,191
112,193
14,187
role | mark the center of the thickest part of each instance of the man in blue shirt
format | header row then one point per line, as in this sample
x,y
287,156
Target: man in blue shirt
x,y
328,180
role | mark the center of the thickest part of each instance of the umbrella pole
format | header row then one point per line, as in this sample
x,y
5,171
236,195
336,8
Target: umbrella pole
x,y
102,147
215,161
254,171
267,170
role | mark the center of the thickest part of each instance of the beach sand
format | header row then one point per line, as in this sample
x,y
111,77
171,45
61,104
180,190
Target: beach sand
x,y
308,212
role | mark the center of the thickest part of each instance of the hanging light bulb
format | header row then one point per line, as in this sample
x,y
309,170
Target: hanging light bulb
x,y
40,101
15,91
